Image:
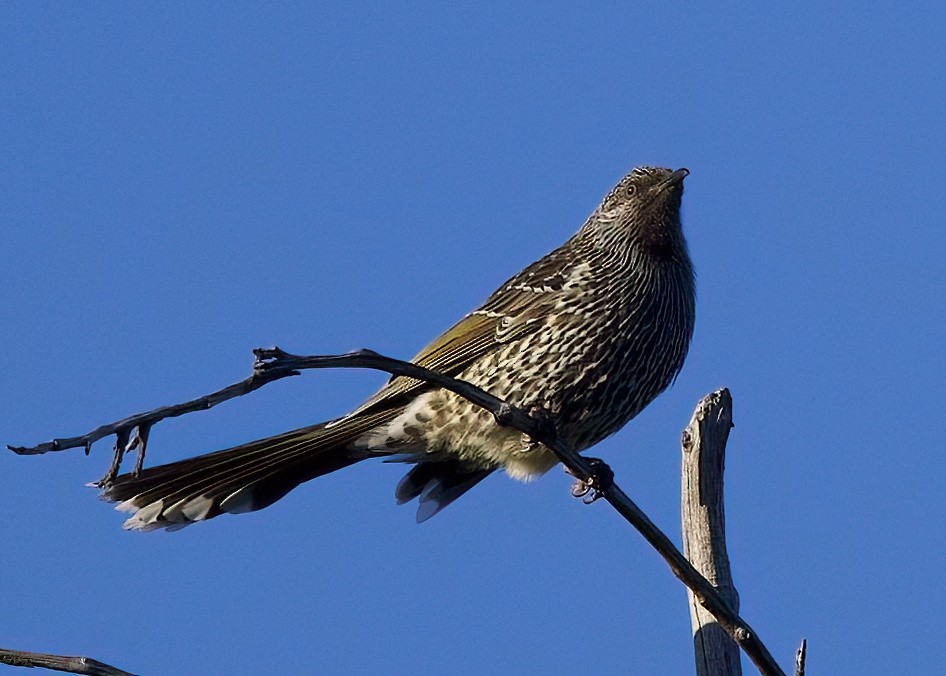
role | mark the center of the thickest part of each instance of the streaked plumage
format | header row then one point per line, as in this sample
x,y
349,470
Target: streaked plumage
x,y
590,333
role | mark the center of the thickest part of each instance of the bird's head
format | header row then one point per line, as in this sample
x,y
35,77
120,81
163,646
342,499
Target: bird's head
x,y
643,209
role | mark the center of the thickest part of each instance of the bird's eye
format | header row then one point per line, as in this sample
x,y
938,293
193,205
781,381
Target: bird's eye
x,y
630,190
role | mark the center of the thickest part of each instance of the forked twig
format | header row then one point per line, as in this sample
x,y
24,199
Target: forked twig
x,y
141,423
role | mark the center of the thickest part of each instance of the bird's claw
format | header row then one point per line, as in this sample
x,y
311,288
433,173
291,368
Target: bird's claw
x,y
593,488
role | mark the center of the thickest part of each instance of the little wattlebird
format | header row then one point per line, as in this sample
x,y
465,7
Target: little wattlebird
x,y
590,335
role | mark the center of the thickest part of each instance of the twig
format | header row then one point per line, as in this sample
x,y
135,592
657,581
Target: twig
x,y
704,529
141,423
73,665
140,420
272,364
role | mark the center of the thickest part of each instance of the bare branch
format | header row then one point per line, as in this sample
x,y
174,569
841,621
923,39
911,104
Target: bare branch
x,y
586,470
141,420
141,423
704,529
273,364
73,665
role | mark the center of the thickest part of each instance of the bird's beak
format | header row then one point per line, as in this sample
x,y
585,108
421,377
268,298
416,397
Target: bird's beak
x,y
677,177
671,182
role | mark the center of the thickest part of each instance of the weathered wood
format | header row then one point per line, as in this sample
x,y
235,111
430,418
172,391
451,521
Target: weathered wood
x,y
800,656
704,530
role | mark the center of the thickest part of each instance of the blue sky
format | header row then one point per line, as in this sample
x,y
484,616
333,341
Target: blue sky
x,y
182,183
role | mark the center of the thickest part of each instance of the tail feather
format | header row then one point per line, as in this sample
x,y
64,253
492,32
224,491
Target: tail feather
x,y
437,483
236,480
252,476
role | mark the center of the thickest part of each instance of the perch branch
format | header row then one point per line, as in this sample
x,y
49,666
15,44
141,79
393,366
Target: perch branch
x,y
586,470
272,364
73,665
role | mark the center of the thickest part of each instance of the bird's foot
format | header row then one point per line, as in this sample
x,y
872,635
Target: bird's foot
x,y
592,488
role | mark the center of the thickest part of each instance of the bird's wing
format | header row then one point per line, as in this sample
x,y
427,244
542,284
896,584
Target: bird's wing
x,y
514,310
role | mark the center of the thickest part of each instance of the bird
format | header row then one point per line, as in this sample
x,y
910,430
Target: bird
x,y
589,335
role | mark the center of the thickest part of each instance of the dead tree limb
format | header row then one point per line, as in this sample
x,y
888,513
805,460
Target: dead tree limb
x,y
800,657
72,665
704,529
272,364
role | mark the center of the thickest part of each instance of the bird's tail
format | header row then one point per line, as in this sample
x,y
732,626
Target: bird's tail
x,y
236,480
